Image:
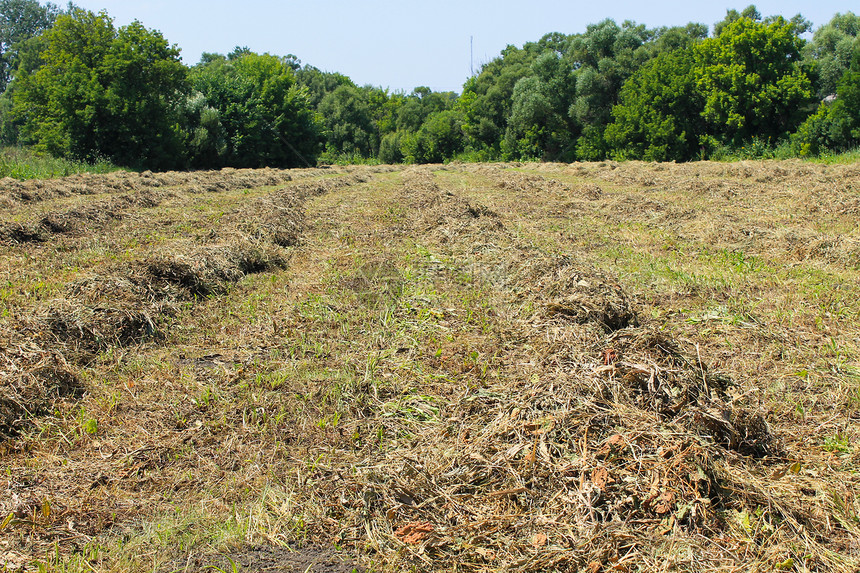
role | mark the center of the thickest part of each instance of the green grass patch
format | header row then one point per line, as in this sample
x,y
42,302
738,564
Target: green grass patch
x,y
19,163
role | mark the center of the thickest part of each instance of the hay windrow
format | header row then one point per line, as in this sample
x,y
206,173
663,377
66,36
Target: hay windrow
x,y
133,304
444,212
32,380
617,423
93,217
567,291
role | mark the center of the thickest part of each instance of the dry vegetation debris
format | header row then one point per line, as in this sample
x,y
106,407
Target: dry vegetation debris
x,y
612,427
33,381
592,367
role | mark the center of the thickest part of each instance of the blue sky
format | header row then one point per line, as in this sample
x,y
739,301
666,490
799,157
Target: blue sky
x,y
401,45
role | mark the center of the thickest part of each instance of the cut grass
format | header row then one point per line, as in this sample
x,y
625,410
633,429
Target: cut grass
x,y
588,367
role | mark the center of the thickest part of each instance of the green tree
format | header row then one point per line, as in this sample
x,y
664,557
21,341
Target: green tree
x,y
20,20
658,117
264,114
829,52
539,125
419,105
347,118
440,138
603,58
319,84
98,91
752,81
147,83
676,38
835,126
391,148
206,139
732,16
486,102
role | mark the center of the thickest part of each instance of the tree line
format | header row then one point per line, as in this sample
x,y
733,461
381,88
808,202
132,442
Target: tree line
x,y
74,85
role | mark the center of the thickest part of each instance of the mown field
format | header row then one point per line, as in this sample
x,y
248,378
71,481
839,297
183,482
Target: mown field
x,y
538,367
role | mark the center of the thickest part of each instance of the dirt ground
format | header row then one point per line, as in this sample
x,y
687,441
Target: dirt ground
x,y
477,367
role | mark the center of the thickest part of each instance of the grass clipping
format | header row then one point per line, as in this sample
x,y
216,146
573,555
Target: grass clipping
x,y
612,451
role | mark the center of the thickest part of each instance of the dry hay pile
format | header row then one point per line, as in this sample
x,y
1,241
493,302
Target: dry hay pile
x,y
619,441
524,183
444,213
609,445
134,303
529,184
33,380
80,221
128,304
101,312
307,190
227,179
279,218
630,173
209,269
14,192
98,215
559,288
36,190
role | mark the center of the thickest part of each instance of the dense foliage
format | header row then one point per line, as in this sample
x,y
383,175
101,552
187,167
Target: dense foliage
x,y
101,92
252,113
75,86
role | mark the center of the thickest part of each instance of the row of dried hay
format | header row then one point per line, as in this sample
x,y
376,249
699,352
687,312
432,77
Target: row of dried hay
x,y
13,191
34,378
443,213
134,303
79,221
604,435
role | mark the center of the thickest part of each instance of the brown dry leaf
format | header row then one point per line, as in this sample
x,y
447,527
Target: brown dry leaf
x,y
530,457
609,356
613,444
540,540
593,567
414,532
600,478
664,503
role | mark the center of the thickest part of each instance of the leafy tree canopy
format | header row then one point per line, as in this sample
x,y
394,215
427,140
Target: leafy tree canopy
x,y
658,118
439,138
830,51
835,126
319,83
752,81
99,91
265,115
487,98
20,20
348,122
539,125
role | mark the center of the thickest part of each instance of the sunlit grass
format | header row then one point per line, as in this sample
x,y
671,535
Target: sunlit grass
x,y
20,163
852,156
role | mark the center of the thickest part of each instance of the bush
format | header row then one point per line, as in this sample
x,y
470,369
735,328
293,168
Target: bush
x,y
440,138
389,148
835,126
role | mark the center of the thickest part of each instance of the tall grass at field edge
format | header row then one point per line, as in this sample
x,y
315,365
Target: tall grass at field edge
x,y
21,163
